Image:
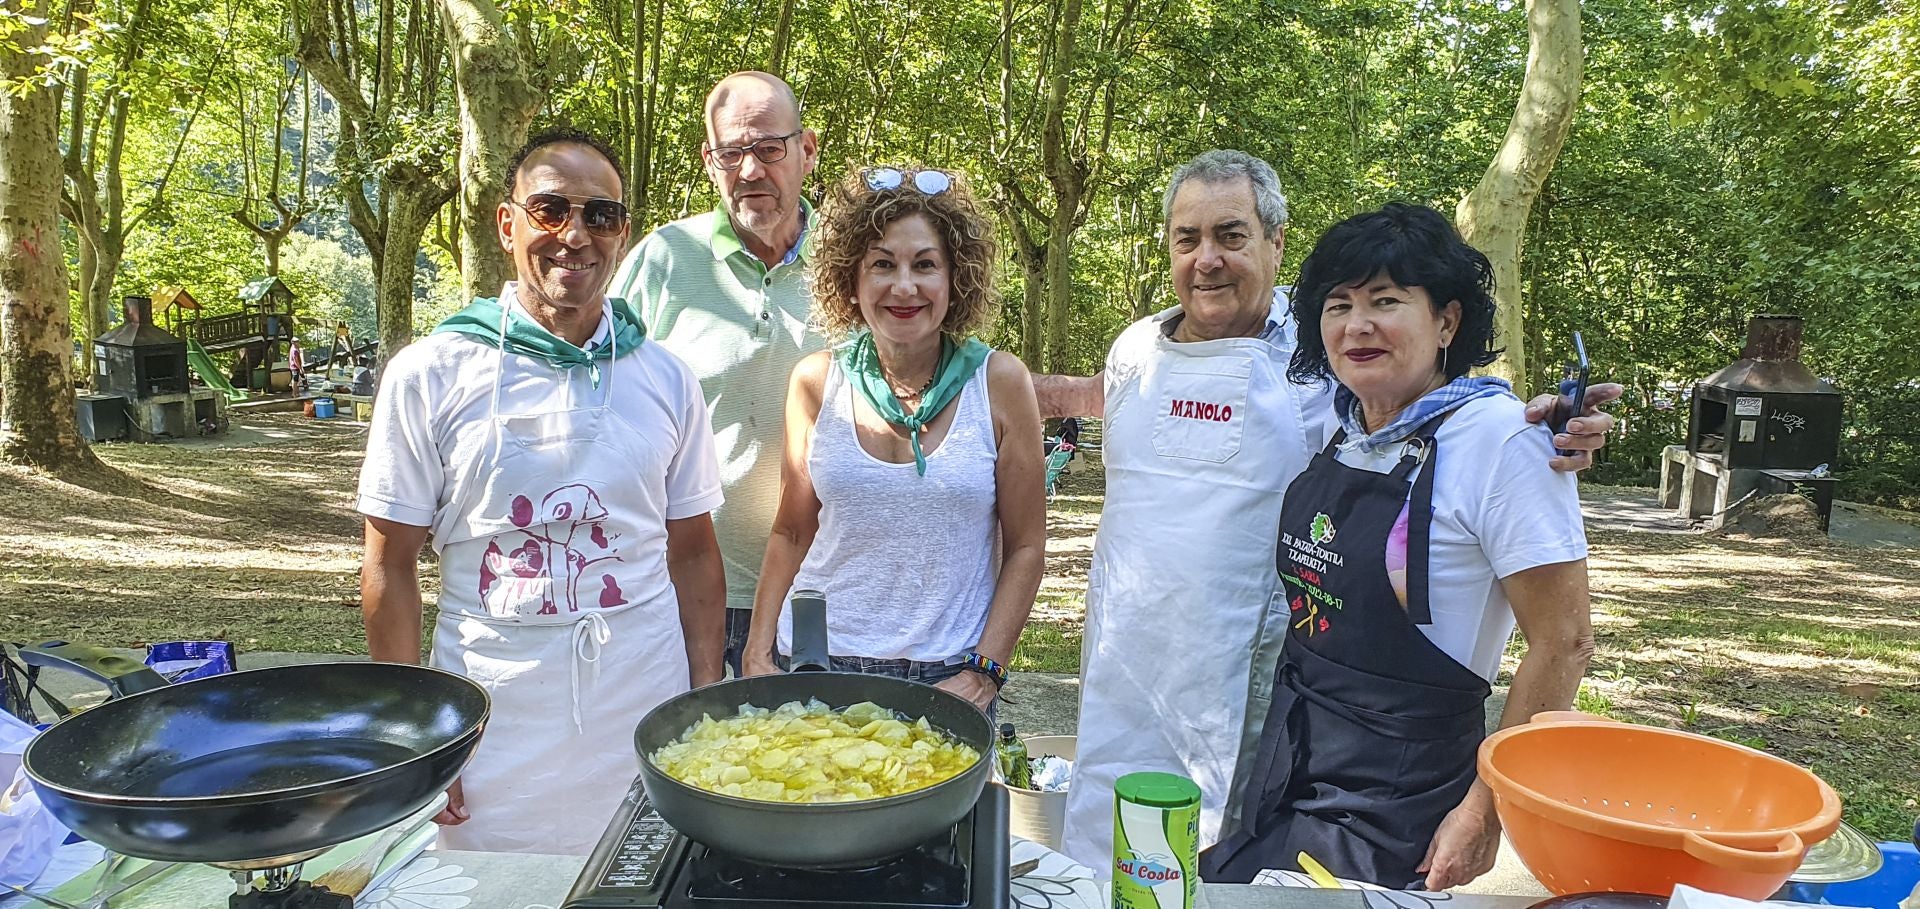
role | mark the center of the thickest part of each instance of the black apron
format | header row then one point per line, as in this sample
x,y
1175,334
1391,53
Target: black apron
x,y
1371,736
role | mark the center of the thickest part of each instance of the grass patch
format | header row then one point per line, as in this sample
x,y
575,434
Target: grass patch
x,y
1048,647
1590,699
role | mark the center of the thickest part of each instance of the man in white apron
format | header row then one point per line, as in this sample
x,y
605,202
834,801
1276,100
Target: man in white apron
x,y
564,466
1203,432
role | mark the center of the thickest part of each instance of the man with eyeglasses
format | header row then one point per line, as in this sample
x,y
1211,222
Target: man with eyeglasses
x,y
727,291
562,463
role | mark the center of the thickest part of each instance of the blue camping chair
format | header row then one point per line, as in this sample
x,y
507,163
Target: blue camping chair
x,y
1058,455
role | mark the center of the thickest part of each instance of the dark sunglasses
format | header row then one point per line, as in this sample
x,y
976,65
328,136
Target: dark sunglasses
x,y
549,212
769,151
929,182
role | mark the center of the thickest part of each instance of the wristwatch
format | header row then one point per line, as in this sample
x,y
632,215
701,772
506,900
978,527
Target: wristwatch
x,y
974,662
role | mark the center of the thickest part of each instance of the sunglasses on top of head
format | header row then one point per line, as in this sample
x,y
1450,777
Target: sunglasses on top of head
x,y
929,182
549,212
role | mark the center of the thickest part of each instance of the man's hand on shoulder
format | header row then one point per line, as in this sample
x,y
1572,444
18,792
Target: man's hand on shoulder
x,y
1586,433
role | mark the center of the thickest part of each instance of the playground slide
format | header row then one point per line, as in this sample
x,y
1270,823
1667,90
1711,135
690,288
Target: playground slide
x,y
210,372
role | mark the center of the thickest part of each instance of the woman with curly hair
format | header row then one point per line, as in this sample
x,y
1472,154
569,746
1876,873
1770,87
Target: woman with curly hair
x,y
911,486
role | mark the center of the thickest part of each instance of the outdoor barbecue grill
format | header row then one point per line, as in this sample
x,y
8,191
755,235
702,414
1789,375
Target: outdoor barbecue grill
x,y
1767,410
1763,424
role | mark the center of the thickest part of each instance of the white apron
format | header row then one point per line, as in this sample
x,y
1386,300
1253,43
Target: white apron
x,y
1201,440
543,607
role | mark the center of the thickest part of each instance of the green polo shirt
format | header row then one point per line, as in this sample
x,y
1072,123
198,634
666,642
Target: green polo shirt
x,y
742,327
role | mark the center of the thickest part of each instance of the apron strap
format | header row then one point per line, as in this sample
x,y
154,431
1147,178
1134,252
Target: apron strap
x,y
588,635
1421,448
1419,537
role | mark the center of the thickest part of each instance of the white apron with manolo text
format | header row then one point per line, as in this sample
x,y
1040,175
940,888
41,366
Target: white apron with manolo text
x,y
545,603
1201,440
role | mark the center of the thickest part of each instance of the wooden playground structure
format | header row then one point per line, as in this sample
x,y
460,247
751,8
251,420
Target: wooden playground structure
x,y
261,331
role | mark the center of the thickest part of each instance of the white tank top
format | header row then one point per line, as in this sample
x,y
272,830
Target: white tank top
x,y
907,562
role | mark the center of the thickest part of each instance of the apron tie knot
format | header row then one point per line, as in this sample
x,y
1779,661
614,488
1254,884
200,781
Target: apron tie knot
x,y
588,635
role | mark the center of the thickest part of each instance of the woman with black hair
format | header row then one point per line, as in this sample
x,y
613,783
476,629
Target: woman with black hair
x,y
1408,551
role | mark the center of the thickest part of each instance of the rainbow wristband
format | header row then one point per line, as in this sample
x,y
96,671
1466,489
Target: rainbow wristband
x,y
974,662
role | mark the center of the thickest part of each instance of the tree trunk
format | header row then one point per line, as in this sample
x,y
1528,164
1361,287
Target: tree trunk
x,y
35,361
1033,309
1064,158
106,266
408,214
408,193
497,101
93,323
782,36
1494,216
1032,257
1060,278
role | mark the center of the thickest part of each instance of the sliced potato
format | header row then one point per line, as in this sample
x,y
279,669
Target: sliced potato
x,y
808,752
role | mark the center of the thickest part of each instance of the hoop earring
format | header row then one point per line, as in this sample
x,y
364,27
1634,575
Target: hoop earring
x,y
1443,360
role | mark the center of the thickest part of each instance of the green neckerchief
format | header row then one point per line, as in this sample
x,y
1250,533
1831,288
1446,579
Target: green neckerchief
x,y
528,338
958,363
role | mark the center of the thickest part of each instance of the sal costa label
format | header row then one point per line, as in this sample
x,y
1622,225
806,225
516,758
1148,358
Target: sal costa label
x,y
1156,841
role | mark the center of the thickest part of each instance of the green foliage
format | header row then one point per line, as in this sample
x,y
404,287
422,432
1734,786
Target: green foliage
x,y
1735,160
1728,158
332,286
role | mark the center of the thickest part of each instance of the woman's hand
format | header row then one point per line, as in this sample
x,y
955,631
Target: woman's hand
x,y
973,686
760,663
455,813
1464,847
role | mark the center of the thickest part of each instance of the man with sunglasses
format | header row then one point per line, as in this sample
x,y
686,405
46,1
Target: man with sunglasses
x,y
563,463
726,290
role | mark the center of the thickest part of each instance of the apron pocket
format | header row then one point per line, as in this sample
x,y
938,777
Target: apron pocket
x,y
1202,408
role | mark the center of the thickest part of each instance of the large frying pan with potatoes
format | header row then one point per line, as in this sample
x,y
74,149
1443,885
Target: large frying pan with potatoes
x,y
823,834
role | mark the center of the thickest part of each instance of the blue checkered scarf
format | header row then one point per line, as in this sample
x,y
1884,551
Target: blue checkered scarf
x,y
1434,403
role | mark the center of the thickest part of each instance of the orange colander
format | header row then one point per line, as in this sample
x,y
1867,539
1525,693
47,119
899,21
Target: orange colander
x,y
1591,804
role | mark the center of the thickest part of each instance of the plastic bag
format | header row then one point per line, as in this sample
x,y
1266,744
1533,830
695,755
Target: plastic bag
x,y
28,832
184,661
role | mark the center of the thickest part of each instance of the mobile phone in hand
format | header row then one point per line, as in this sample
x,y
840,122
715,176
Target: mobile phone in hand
x,y
1573,391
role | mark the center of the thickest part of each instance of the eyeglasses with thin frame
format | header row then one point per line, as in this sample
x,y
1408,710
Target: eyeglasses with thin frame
x,y
929,181
550,212
771,150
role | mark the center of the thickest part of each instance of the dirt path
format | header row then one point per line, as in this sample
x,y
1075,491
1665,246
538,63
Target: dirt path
x,y
1808,650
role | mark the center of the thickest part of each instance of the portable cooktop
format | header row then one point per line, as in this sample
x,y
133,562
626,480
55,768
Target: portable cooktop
x,y
643,863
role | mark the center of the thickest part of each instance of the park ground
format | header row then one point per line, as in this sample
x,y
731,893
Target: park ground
x,y
1808,649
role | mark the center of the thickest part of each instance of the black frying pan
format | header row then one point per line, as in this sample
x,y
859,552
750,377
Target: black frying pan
x,y
252,765
814,835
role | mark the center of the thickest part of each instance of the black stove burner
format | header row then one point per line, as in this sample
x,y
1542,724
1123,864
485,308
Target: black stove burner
x,y
301,895
931,875
641,863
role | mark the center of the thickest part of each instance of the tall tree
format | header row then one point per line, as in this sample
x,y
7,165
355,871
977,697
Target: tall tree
x,y
1076,108
389,77
497,101
1493,217
121,70
36,342
267,165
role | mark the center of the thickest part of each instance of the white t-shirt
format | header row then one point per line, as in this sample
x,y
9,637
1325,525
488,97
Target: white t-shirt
x,y
433,422
1498,508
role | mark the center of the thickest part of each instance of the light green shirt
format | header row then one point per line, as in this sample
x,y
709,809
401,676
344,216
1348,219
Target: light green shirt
x,y
742,327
